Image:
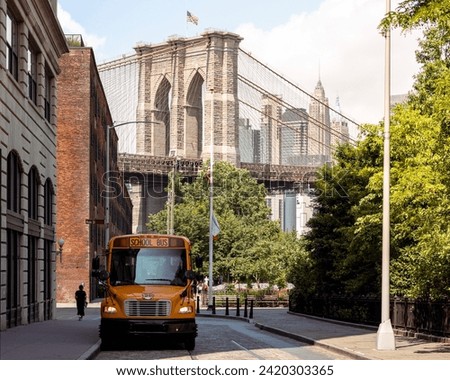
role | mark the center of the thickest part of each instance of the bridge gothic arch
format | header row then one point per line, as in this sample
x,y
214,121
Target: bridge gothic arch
x,y
161,118
194,131
187,92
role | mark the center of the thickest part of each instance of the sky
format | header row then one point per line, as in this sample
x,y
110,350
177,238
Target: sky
x,y
303,40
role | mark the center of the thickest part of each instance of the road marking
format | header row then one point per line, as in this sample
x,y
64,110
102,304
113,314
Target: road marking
x,y
249,351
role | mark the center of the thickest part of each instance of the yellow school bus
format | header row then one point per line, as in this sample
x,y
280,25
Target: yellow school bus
x,y
149,290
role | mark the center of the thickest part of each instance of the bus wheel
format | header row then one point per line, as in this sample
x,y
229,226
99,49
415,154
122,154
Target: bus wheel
x,y
189,344
106,344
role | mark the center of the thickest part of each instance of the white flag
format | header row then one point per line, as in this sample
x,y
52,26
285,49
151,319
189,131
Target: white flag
x,y
215,228
191,18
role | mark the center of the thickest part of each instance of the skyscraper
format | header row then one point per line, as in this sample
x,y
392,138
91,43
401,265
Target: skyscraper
x,y
339,128
319,128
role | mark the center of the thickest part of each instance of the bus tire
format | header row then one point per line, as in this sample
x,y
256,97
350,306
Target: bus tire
x,y
106,344
189,344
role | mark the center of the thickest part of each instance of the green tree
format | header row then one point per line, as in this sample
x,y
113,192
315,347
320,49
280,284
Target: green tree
x,y
250,247
345,238
344,232
422,173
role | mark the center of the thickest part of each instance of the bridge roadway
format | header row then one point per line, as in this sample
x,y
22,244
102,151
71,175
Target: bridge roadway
x,y
267,173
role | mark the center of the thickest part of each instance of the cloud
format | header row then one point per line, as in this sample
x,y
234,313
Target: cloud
x,y
70,26
341,43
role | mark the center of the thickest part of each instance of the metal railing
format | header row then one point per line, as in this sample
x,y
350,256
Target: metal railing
x,y
418,316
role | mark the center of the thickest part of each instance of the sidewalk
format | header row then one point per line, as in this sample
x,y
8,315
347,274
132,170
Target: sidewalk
x,y
69,339
355,341
64,338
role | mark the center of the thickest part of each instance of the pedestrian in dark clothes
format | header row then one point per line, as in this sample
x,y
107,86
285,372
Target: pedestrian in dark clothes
x,y
80,297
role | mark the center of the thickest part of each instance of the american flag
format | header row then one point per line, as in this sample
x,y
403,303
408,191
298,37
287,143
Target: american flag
x,y
191,18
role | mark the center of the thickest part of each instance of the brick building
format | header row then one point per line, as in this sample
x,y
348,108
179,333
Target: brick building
x,y
31,42
83,116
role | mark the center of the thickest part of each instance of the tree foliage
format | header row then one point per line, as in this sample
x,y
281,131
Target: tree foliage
x,y
250,247
345,238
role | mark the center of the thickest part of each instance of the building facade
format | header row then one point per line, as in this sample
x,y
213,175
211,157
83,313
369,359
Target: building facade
x,y
271,129
294,137
291,209
84,121
319,127
31,42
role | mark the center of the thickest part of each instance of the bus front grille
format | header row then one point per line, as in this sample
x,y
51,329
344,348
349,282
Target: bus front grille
x,y
144,308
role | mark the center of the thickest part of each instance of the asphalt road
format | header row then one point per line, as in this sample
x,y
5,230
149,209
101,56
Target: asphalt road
x,y
223,339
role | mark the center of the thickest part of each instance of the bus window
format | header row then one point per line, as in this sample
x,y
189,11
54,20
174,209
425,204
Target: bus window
x,y
148,266
123,267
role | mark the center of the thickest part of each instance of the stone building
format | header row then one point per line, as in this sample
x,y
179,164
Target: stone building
x,y
31,42
185,90
84,117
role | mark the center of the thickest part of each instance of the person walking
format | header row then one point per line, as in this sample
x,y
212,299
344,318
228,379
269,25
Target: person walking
x,y
80,297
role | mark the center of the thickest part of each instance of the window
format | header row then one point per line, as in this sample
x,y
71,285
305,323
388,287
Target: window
x,y
33,193
33,307
48,203
14,182
32,72
48,302
12,45
48,95
12,279
48,249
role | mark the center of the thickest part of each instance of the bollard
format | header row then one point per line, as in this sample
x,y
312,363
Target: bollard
x,y
198,304
245,307
214,305
237,307
251,309
227,307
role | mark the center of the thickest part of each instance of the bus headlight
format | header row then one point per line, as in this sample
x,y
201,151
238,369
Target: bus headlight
x,y
110,310
185,309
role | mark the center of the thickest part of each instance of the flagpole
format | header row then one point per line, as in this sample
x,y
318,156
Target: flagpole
x,y
211,211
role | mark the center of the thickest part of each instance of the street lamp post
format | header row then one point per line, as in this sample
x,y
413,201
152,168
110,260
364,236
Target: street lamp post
x,y
211,207
107,174
385,334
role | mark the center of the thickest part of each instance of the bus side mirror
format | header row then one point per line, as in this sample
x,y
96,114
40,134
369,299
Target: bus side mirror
x,y
103,275
190,275
199,262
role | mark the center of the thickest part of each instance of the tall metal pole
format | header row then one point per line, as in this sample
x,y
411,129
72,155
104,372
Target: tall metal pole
x,y
211,208
107,231
171,211
385,334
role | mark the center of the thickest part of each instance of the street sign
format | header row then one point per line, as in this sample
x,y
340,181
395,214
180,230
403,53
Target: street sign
x,y
94,221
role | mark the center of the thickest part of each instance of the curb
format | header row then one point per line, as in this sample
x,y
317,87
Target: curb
x,y
92,352
299,338
312,342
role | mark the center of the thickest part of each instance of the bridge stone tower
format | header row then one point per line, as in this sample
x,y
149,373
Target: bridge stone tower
x,y
188,97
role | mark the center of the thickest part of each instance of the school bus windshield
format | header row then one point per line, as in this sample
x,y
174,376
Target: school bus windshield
x,y
148,266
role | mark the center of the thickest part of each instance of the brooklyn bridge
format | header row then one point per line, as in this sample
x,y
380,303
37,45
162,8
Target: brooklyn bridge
x,y
200,98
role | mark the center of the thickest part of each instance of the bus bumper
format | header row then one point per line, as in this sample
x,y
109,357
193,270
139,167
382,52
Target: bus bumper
x,y
140,327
